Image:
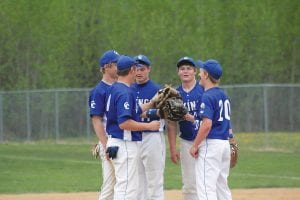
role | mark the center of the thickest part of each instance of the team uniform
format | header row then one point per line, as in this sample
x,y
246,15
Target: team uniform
x,y
120,107
97,108
212,165
151,149
188,132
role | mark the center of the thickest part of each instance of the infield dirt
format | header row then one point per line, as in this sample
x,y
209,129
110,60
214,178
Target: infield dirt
x,y
237,194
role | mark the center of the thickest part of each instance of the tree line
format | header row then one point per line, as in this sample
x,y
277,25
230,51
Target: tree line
x,y
57,43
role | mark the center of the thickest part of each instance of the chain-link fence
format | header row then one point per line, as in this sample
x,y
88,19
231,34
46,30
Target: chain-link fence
x,y
64,113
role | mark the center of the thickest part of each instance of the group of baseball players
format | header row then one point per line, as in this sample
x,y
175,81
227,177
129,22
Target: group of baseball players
x,y
132,148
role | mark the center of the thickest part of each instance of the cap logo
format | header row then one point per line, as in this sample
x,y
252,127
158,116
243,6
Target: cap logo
x,y
140,57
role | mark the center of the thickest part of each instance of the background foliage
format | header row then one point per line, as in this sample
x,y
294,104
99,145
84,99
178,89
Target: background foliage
x,y
57,43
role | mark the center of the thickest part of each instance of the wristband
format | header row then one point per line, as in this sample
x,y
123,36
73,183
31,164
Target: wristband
x,y
151,113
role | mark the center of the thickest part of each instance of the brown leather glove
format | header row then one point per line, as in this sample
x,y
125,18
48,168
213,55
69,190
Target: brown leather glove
x,y
233,152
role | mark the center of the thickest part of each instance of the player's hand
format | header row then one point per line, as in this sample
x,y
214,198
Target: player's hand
x,y
189,117
154,125
194,151
106,155
175,156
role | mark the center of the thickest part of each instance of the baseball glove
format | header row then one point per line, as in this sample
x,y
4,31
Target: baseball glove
x,y
233,152
96,150
169,104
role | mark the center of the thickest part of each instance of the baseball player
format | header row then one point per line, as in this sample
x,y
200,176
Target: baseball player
x,y
191,93
124,129
211,147
108,67
152,147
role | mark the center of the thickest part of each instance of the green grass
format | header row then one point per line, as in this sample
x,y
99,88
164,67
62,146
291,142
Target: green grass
x,y
47,167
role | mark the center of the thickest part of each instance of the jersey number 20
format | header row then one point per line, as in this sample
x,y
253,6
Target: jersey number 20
x,y
224,108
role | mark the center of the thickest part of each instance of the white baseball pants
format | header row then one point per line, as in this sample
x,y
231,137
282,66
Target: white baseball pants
x,y
108,177
126,170
189,188
152,151
212,170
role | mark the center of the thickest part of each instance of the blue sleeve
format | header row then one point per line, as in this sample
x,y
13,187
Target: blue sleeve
x,y
206,108
124,108
96,104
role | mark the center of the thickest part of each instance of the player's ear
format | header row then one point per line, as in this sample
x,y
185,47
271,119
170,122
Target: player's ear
x,y
133,68
205,74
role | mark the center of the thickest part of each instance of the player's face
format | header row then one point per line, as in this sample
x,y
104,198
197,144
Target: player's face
x,y
187,73
111,70
142,74
203,76
133,73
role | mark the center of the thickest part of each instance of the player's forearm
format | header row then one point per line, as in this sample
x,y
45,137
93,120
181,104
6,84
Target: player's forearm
x,y
172,133
99,129
146,106
134,125
231,135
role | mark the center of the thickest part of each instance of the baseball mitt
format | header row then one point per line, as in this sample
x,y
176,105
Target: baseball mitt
x,y
98,150
163,94
233,152
169,104
95,150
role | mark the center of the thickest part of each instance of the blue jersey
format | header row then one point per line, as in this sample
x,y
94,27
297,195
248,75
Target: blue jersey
x,y
216,106
191,100
143,94
120,107
97,99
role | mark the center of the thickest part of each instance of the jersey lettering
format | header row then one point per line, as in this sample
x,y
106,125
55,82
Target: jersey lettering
x,y
190,105
197,124
142,101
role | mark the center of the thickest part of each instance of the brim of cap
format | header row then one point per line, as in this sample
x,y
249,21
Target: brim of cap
x,y
199,65
115,60
142,62
185,62
141,65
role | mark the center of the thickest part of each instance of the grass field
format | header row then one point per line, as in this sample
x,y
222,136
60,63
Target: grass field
x,y
266,160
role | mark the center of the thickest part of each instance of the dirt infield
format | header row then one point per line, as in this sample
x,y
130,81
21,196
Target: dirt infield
x,y
238,194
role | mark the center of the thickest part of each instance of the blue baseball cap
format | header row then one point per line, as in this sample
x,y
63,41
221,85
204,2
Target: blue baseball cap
x,y
110,56
213,68
199,63
125,62
142,59
186,60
